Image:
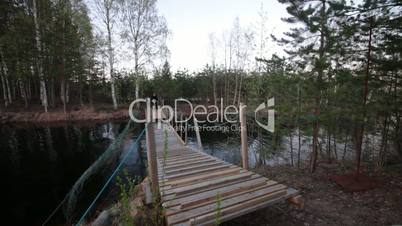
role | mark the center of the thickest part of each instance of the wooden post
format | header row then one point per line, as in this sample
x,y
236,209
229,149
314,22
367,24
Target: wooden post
x,y
243,135
185,133
181,126
197,133
151,154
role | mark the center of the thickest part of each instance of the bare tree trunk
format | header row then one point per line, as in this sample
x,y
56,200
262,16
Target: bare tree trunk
x,y
298,126
335,148
344,148
63,83
329,145
43,93
80,94
4,91
90,81
23,93
67,92
52,97
29,91
236,86
291,147
316,128
4,80
136,68
226,87
110,54
240,85
298,148
4,87
360,130
137,88
10,100
63,95
381,154
90,96
214,85
317,108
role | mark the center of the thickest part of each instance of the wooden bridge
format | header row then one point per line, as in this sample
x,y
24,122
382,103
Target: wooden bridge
x,y
196,188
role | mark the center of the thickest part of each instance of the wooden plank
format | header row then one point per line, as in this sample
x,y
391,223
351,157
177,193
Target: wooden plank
x,y
193,167
190,173
182,157
174,196
237,210
191,160
212,193
206,184
212,199
192,180
245,210
186,174
254,197
188,163
174,151
178,182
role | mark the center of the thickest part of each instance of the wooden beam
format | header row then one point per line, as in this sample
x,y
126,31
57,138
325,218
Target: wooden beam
x,y
197,133
243,131
152,164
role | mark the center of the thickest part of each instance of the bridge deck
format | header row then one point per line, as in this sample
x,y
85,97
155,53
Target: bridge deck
x,y
190,182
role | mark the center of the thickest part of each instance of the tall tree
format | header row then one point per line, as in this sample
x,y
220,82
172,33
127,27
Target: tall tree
x,y
313,56
212,46
145,32
107,11
39,61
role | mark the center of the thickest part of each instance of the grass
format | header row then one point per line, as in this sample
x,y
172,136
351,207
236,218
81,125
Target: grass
x,y
127,190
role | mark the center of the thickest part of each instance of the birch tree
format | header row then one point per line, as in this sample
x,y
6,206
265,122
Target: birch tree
x,y
107,11
212,46
39,63
145,32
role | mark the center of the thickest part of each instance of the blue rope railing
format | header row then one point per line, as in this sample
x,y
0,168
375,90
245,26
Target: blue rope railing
x,y
118,168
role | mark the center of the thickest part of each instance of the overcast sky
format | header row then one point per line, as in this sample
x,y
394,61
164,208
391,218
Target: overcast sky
x,y
191,22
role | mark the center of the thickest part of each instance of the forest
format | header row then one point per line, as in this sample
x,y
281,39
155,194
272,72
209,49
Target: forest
x,y
338,81
341,72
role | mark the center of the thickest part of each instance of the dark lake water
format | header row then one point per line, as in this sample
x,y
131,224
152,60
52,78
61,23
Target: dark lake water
x,y
39,165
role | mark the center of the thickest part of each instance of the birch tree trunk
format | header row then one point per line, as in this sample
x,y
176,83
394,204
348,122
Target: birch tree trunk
x,y
240,85
43,93
10,100
4,80
235,89
4,91
23,92
111,60
63,94
291,147
214,87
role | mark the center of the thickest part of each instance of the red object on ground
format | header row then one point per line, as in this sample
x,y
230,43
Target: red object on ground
x,y
352,183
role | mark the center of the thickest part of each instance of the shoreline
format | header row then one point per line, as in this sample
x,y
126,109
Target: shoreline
x,y
81,115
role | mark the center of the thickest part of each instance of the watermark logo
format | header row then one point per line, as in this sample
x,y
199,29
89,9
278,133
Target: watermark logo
x,y
270,126
211,114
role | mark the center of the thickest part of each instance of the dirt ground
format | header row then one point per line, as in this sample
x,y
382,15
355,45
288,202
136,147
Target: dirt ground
x,y
327,204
